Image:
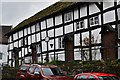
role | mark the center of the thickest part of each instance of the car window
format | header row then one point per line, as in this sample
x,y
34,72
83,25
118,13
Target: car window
x,y
91,78
108,78
31,69
37,69
23,67
52,71
82,77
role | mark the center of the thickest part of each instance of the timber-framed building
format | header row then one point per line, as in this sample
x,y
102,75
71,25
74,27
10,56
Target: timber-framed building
x,y
67,31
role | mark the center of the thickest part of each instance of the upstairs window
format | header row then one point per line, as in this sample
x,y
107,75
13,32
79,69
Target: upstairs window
x,y
118,31
60,42
94,21
68,16
80,25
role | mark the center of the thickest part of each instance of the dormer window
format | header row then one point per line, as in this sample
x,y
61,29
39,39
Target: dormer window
x,y
80,25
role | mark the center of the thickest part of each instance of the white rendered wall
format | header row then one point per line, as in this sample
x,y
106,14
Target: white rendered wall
x,y
4,49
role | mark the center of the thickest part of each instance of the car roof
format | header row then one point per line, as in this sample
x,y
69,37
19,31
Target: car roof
x,y
44,66
97,74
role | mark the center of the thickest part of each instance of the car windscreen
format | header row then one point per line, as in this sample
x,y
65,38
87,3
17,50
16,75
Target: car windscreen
x,y
108,78
24,68
52,72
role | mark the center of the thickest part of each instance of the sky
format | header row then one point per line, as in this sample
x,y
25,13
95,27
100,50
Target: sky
x,y
12,12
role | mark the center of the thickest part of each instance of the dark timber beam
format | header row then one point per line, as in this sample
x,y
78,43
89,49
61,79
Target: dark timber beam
x,y
98,5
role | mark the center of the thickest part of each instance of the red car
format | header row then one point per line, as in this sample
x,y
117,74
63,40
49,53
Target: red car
x,y
45,72
21,73
96,76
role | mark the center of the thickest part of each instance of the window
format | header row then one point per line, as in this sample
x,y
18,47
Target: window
x,y
60,42
68,16
91,78
94,20
37,69
31,69
80,25
82,77
119,31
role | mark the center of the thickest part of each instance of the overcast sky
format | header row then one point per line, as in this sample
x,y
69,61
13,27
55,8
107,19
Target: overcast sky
x,y
15,11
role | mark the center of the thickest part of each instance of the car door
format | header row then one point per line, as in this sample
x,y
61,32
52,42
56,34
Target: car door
x,y
30,73
37,74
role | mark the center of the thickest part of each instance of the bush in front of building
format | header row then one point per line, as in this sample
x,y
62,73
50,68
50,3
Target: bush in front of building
x,y
73,67
9,73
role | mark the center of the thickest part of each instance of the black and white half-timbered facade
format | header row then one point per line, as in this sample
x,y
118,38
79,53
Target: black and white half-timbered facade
x,y
67,31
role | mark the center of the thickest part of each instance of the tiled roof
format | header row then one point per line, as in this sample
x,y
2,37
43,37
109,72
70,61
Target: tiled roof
x,y
59,6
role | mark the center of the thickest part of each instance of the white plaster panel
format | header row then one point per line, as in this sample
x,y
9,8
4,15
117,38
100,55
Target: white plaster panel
x,y
38,37
23,52
33,28
20,34
10,39
26,51
77,55
29,40
11,46
83,11
58,20
16,44
33,38
97,36
51,33
68,28
118,51
77,39
37,27
59,31
49,22
19,53
118,10
43,34
43,25
60,55
84,35
29,31
107,5
109,16
44,46
93,9
25,31
15,36
56,43
96,55
76,14
10,55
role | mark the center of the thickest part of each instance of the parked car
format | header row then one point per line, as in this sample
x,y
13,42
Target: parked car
x,y
21,73
96,76
46,72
